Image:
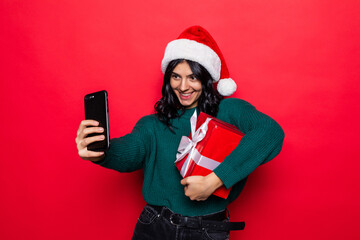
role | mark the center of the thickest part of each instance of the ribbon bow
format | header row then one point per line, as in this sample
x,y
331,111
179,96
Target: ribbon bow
x,y
187,145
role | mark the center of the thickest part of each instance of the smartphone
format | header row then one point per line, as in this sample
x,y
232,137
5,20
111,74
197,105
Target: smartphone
x,y
97,108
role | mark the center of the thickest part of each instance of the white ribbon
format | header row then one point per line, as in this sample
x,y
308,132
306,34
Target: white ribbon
x,y
203,161
187,145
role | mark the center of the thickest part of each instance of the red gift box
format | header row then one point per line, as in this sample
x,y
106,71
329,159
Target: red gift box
x,y
209,143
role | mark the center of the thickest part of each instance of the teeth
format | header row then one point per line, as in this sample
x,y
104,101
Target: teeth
x,y
186,94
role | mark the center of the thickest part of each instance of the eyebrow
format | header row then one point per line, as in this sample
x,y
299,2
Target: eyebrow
x,y
190,75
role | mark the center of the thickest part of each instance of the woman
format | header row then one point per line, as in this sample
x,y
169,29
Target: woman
x,y
185,208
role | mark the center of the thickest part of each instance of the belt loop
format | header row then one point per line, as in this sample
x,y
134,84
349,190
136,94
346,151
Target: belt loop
x,y
228,213
200,222
185,221
161,212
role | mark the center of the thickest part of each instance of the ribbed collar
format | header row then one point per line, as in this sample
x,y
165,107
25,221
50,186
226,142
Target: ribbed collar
x,y
189,112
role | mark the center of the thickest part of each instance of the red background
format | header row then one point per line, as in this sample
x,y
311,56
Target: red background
x,y
297,61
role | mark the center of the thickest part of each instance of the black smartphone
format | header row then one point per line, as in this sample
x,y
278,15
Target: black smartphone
x,y
97,108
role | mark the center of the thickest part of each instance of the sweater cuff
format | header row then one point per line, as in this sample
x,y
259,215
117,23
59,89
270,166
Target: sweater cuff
x,y
224,176
102,161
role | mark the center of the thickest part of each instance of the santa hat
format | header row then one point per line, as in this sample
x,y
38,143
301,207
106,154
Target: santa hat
x,y
196,44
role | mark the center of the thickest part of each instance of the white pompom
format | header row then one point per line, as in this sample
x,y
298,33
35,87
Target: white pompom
x,y
226,86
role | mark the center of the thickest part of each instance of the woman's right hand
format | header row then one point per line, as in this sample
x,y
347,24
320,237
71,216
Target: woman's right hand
x,y
82,141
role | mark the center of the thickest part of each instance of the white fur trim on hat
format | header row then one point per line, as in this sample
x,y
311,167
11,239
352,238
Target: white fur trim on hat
x,y
226,86
194,51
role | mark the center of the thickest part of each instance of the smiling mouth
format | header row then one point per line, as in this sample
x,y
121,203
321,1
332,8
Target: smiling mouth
x,y
185,96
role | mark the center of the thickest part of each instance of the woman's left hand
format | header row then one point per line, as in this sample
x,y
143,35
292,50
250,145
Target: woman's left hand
x,y
199,188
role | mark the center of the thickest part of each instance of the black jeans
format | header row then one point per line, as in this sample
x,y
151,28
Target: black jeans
x,y
152,225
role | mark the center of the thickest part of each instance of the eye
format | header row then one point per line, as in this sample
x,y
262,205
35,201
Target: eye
x,y
175,76
193,78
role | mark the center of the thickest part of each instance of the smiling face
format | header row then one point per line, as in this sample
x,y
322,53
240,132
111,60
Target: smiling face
x,y
185,85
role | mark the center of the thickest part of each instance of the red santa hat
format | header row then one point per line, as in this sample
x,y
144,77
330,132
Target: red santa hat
x,y
196,44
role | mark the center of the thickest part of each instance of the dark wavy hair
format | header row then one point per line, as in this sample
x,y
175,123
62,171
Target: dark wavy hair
x,y
167,107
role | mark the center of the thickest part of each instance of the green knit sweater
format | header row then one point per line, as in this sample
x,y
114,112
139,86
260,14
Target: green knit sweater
x,y
151,146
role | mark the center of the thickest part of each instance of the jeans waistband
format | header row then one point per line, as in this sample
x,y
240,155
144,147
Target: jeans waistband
x,y
216,221
167,213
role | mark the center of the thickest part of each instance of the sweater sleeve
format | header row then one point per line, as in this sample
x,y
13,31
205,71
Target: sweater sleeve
x,y
128,153
262,141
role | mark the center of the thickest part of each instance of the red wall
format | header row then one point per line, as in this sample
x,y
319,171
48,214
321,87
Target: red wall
x,y
297,61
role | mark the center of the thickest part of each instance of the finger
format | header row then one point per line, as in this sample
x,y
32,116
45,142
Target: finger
x,y
192,179
187,193
94,154
86,141
90,130
85,132
184,181
84,153
85,123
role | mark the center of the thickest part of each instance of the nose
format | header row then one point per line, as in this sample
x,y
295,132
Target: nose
x,y
184,85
